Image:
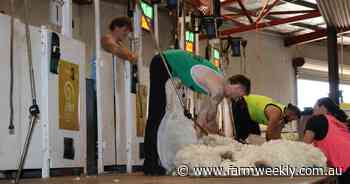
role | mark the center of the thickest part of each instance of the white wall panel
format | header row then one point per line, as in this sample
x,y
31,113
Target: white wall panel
x,y
11,145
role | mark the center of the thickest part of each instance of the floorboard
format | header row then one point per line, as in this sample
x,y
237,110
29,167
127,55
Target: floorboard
x,y
138,178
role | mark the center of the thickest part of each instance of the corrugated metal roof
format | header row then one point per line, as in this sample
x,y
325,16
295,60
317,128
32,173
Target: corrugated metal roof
x,y
335,12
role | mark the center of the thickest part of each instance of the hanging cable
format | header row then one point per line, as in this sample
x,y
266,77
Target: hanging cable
x,y
12,11
34,108
29,52
186,111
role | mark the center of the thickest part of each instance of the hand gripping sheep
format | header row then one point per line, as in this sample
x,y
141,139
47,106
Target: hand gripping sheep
x,y
186,111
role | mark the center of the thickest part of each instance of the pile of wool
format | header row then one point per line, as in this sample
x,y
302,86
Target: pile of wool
x,y
276,153
212,150
255,139
224,146
215,140
198,156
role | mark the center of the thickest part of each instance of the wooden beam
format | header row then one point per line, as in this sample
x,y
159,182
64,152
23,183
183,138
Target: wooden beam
x,y
290,12
305,38
266,11
233,20
245,11
309,37
228,2
270,23
271,17
303,3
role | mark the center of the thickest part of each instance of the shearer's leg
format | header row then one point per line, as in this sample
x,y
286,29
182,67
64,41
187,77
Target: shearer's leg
x,y
156,111
241,116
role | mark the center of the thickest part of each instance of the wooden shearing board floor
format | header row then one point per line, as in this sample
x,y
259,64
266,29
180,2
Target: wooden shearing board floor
x,y
140,179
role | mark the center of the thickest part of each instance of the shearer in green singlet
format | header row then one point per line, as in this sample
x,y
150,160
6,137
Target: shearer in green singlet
x,y
196,73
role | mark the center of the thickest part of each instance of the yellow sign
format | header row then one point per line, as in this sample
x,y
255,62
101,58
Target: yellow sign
x,y
141,110
189,46
144,23
216,63
68,95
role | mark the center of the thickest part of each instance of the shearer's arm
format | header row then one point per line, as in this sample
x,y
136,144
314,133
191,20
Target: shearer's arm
x,y
274,127
117,49
208,112
214,85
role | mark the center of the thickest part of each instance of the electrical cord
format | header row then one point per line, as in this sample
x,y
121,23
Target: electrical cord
x,y
11,125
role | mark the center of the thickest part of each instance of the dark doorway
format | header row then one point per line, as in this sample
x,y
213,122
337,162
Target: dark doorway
x,y
91,120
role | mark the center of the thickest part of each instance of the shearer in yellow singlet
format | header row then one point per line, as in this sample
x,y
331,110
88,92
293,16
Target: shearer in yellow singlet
x,y
258,109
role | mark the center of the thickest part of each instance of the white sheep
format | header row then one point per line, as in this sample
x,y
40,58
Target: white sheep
x,y
178,145
175,131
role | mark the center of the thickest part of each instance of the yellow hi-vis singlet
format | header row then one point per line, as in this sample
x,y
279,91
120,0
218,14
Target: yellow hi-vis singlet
x,y
256,106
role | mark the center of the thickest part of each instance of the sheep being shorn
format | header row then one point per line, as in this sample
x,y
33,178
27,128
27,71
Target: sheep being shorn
x,y
175,131
178,145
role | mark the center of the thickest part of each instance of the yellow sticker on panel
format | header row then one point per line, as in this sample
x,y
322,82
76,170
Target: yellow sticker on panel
x,y
68,96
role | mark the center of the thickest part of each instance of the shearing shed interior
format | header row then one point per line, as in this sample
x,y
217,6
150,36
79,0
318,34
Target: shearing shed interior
x,y
175,91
